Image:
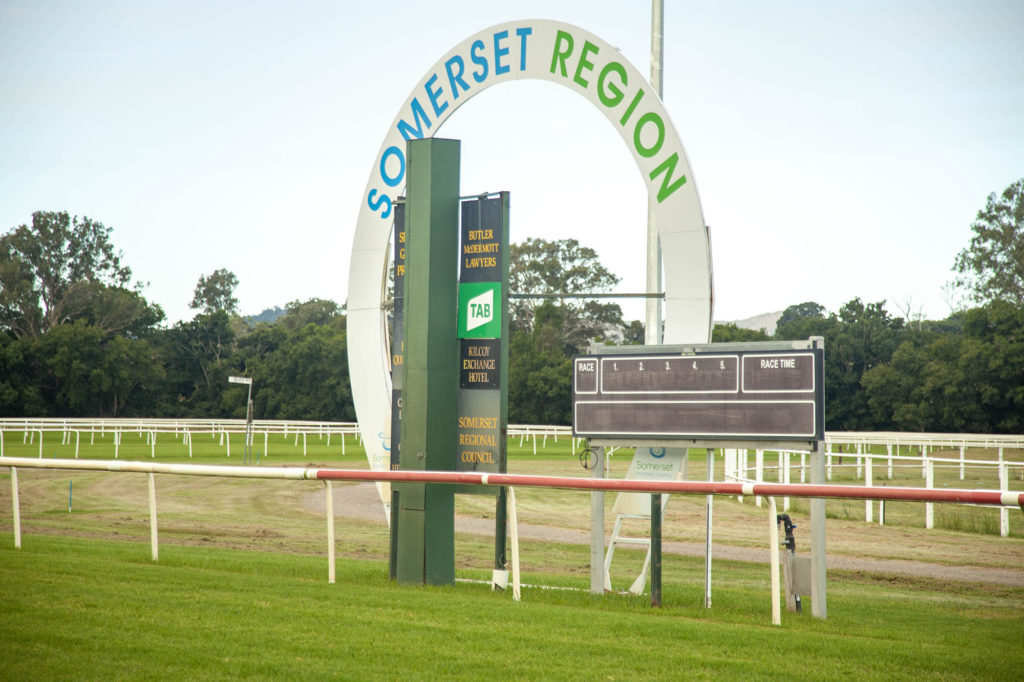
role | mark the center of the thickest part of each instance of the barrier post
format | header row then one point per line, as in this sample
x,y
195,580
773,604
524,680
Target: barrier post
x,y
330,533
929,482
758,473
656,549
961,462
17,508
785,478
1004,512
828,455
514,538
773,542
869,465
152,519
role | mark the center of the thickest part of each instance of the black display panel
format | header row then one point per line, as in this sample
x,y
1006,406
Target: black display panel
x,y
711,394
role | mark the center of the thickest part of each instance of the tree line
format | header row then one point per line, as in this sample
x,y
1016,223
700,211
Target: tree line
x,y
78,339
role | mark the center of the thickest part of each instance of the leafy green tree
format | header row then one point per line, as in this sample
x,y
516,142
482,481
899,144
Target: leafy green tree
x,y
51,270
633,333
971,380
857,339
730,332
992,267
197,356
540,374
538,266
215,293
300,371
797,320
317,311
121,311
77,370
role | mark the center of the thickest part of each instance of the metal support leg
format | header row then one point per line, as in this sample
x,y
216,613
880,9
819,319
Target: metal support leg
x,y
818,598
597,527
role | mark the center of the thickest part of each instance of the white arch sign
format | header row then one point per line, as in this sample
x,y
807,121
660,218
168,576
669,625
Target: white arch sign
x,y
559,53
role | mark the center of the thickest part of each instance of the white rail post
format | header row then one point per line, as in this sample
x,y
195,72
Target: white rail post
x,y
758,473
40,443
303,443
152,519
785,477
929,482
961,462
773,542
224,434
513,520
803,467
78,439
868,473
888,450
1004,512
17,508
828,458
1,443
330,533
152,444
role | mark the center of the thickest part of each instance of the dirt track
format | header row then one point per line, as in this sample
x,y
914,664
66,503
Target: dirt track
x,y
360,501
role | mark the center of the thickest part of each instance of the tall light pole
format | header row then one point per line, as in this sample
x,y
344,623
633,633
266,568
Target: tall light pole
x,y
652,318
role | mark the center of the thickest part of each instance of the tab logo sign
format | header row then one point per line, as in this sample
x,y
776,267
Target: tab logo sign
x,y
479,312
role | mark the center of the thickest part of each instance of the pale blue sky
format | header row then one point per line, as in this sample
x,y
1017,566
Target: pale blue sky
x,y
840,150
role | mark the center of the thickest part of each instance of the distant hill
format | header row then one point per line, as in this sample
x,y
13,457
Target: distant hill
x,y
269,315
765,321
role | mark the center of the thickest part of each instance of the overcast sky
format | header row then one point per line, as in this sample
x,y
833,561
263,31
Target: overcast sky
x,y
839,149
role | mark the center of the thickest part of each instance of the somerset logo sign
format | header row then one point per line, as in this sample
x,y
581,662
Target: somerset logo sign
x,y
532,49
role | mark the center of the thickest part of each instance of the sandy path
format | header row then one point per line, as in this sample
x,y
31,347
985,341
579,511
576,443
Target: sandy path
x,y
360,501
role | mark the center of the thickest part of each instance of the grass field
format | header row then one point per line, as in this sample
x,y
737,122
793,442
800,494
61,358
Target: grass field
x,y
240,589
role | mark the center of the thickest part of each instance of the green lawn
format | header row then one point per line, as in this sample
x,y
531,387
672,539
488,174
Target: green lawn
x,y
92,609
240,589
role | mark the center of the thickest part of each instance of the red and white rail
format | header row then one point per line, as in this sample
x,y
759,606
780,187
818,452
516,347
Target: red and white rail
x,y
990,497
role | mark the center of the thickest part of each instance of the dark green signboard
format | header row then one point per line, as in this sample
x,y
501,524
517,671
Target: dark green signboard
x,y
397,338
483,330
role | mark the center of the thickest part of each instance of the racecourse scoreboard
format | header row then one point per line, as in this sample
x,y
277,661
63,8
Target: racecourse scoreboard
x,y
768,391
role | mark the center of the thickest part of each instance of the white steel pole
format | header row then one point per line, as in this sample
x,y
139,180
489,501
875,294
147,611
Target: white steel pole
x,y
330,533
17,508
710,501
513,519
773,541
597,526
152,518
652,319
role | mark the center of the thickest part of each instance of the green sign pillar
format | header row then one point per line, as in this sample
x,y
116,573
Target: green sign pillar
x,y
423,515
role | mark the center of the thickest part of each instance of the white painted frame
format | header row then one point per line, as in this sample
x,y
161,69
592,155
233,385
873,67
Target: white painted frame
x,y
529,49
